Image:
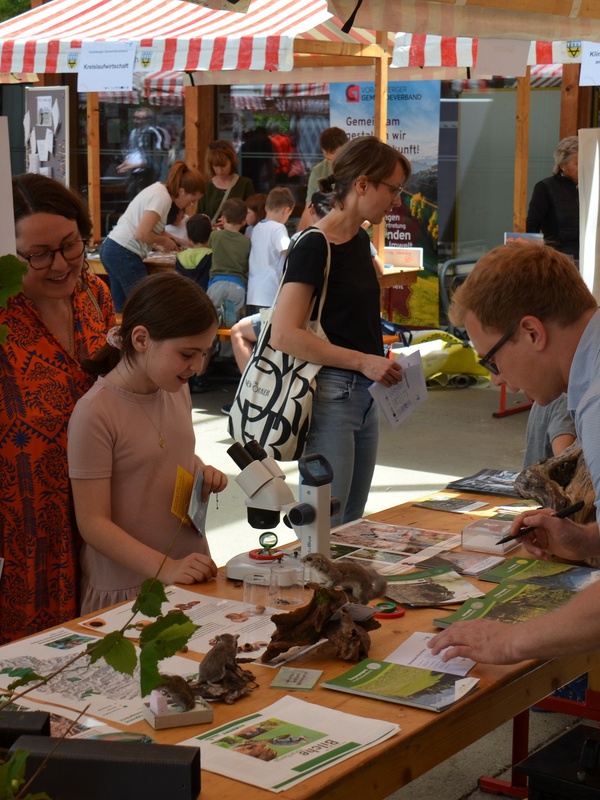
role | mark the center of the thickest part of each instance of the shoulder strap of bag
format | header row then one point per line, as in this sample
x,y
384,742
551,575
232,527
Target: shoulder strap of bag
x,y
225,196
304,233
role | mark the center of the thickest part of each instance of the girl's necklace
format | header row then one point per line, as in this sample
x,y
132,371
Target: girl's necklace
x,y
161,439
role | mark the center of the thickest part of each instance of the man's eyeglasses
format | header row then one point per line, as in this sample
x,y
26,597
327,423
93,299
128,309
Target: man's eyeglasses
x,y
396,190
486,360
70,252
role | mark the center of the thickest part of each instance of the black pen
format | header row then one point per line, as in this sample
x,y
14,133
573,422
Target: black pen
x,y
565,512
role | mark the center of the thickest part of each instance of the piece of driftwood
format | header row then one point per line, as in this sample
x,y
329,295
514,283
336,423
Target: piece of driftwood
x,y
312,622
560,481
235,683
220,677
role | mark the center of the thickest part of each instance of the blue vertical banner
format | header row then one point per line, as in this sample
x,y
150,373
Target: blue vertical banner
x,y
412,128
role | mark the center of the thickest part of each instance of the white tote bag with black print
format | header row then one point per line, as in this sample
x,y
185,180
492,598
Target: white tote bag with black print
x,y
273,401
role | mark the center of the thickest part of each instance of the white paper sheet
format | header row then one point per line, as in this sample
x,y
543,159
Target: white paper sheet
x,y
287,742
413,652
399,401
213,614
109,694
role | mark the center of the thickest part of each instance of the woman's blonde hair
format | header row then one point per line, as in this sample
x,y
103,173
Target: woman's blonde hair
x,y
565,150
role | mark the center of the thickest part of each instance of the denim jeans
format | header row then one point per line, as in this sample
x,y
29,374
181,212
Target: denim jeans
x,y
345,429
124,270
222,290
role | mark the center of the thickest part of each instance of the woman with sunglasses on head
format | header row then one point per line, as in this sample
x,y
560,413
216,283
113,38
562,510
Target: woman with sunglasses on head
x,y
221,166
367,180
142,227
59,318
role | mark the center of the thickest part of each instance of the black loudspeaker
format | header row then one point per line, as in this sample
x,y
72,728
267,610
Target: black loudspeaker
x,y
117,770
18,723
566,769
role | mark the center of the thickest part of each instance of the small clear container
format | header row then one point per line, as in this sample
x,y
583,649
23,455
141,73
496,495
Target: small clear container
x,y
483,536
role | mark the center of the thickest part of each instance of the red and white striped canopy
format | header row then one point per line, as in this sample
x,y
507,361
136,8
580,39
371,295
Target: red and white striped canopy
x,y
550,20
419,50
170,34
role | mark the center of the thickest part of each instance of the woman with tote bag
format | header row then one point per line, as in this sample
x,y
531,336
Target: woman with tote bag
x,y
367,180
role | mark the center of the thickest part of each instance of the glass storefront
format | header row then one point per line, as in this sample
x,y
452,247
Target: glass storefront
x,y
458,204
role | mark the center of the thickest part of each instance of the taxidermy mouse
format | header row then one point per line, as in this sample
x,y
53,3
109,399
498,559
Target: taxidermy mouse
x,y
178,691
361,584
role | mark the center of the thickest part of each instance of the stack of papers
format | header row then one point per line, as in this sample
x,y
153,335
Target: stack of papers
x,y
287,742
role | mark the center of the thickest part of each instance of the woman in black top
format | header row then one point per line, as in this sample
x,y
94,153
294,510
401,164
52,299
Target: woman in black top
x,y
554,205
367,180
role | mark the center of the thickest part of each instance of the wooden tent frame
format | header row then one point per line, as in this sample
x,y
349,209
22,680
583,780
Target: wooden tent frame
x,y
576,106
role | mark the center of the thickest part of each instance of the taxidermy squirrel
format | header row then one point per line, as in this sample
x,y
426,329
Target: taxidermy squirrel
x,y
215,662
361,584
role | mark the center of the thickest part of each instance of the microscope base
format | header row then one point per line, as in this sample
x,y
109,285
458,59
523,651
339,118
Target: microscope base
x,y
248,564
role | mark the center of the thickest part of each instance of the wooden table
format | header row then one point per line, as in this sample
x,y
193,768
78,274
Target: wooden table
x,y
155,262
426,738
395,276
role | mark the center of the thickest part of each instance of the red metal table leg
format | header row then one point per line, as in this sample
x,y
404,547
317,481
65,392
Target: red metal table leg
x,y
520,750
503,411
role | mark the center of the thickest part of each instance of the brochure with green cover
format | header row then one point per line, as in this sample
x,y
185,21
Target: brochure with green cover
x,y
430,587
510,601
397,683
544,573
460,561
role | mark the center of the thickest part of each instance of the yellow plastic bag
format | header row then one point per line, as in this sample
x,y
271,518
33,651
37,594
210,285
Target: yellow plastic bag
x,y
447,360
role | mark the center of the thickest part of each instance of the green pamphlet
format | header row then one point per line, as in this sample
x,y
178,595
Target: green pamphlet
x,y
510,601
397,683
544,573
293,678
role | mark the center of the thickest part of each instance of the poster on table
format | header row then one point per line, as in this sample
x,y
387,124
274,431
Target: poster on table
x,y
413,129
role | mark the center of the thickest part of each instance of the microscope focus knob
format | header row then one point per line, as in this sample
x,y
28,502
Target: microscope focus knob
x,y
301,514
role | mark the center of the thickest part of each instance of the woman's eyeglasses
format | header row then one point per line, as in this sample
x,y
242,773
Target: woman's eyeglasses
x,y
396,190
70,252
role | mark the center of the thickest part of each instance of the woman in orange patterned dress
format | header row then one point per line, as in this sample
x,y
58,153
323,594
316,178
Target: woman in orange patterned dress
x,y
60,317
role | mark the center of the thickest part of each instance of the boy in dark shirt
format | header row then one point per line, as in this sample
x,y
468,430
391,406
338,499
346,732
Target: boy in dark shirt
x,y
195,262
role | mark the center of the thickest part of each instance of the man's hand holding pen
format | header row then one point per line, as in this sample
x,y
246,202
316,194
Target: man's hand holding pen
x,y
553,536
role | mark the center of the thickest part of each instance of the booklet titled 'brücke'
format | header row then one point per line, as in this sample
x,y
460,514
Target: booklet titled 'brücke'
x,y
397,683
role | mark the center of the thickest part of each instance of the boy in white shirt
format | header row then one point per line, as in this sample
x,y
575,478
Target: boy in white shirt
x,y
270,241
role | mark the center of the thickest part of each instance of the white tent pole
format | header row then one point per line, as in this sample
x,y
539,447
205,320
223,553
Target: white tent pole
x,y
589,207
381,113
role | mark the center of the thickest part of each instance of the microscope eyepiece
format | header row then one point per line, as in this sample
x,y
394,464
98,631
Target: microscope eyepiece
x,y
257,452
241,456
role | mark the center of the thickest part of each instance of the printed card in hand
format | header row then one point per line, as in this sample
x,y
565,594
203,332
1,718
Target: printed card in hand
x,y
399,401
198,509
